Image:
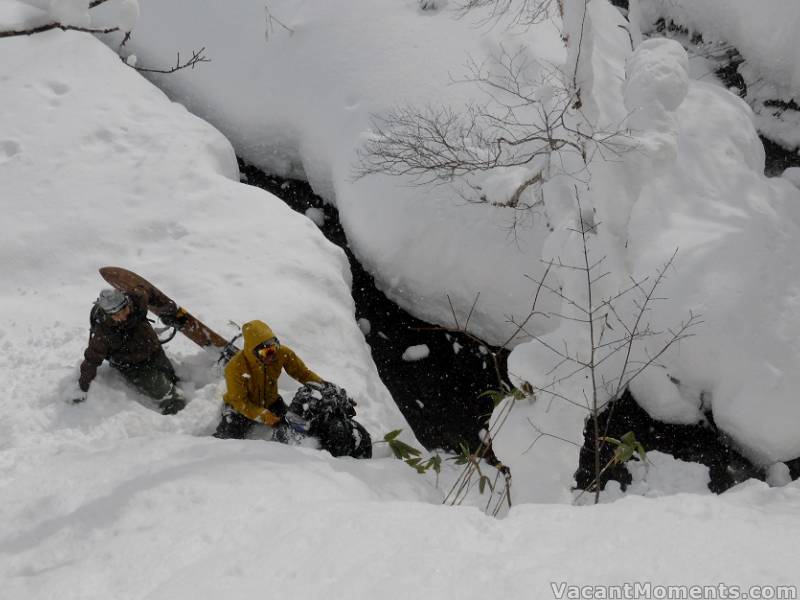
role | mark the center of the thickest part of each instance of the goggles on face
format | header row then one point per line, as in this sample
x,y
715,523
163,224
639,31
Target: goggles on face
x,y
267,349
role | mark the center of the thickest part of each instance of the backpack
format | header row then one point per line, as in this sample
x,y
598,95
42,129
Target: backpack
x,y
325,411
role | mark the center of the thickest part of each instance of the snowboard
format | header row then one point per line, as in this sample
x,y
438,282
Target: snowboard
x,y
190,326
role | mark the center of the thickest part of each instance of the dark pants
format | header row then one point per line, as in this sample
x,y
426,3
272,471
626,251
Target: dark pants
x,y
232,425
155,378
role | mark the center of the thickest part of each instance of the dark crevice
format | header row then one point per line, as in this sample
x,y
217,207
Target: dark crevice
x,y
440,396
701,443
778,158
729,73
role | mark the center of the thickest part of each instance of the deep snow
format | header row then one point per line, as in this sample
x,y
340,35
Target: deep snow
x,y
106,171
109,499
180,517
690,177
765,35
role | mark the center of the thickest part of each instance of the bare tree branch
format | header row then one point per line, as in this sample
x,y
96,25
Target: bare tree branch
x,y
51,26
198,56
524,13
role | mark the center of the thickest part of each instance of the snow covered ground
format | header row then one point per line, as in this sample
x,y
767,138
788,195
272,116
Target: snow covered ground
x,y
109,499
177,517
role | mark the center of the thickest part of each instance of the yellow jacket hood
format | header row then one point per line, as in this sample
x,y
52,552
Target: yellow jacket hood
x,y
252,387
255,333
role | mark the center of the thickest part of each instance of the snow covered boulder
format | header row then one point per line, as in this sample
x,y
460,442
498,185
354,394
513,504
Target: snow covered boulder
x,y
658,71
657,81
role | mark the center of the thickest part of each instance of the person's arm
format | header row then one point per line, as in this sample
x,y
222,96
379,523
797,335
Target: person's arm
x,y
96,352
237,396
296,368
151,298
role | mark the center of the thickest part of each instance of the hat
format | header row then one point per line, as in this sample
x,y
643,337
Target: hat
x,y
111,301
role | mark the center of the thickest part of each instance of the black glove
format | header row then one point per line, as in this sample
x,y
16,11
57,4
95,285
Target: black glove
x,y
172,406
174,317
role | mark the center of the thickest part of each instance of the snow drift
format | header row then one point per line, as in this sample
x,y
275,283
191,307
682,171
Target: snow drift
x,y
111,500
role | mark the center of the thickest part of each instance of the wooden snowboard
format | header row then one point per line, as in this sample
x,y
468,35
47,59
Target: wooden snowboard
x,y
191,326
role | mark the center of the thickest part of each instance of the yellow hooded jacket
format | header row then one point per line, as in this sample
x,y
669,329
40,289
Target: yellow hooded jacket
x,y
253,385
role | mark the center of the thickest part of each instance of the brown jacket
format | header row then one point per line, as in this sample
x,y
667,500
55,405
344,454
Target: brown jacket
x,y
252,385
128,343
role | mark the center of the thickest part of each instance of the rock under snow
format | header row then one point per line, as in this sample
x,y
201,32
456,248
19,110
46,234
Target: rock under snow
x,y
415,353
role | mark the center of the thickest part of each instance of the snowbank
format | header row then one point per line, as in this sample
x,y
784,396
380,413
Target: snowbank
x,y
692,181
186,518
765,34
104,170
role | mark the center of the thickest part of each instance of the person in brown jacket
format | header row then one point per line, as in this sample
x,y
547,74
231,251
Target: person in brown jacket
x,y
121,333
252,381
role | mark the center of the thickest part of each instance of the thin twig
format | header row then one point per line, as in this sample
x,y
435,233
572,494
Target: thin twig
x,y
198,56
51,26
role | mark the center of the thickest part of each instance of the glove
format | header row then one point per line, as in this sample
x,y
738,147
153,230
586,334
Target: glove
x,y
172,406
175,317
78,399
296,422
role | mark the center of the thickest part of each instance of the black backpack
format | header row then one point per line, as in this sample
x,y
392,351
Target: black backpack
x,y
325,411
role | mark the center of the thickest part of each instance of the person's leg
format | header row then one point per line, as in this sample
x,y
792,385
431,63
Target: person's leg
x,y
232,425
156,378
173,402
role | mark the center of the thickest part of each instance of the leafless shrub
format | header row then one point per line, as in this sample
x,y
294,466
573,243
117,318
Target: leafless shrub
x,y
198,56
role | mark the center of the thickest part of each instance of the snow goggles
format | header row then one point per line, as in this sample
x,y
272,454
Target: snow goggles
x,y
267,349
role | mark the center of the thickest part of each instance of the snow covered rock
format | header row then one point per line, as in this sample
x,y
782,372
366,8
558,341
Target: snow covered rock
x,y
657,72
778,475
415,353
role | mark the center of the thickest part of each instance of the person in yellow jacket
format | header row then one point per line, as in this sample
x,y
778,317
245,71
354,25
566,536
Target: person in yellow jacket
x,y
252,381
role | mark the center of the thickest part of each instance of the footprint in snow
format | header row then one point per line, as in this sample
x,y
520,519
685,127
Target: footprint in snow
x,y
8,150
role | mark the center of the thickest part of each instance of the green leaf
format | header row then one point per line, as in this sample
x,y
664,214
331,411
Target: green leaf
x,y
497,396
626,448
623,454
641,452
409,450
518,394
435,463
402,450
392,435
611,440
